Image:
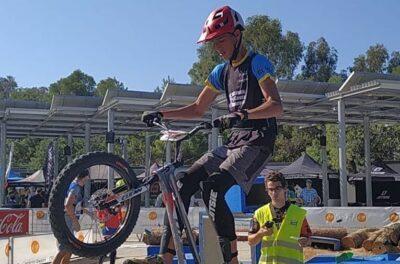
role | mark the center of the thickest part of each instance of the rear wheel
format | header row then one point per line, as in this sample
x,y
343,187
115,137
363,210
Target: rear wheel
x,y
104,222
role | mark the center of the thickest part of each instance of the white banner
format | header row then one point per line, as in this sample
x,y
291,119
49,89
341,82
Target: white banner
x,y
34,249
352,217
153,217
4,250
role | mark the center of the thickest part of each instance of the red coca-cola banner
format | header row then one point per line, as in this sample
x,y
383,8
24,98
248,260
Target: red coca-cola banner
x,y
14,222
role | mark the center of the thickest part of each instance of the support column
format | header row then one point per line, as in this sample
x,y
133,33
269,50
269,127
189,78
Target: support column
x,y
325,179
209,141
368,179
87,187
342,153
124,148
87,137
214,131
110,147
70,145
147,169
168,152
3,137
220,140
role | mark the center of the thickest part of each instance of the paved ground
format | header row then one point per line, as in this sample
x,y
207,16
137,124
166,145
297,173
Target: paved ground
x,y
132,248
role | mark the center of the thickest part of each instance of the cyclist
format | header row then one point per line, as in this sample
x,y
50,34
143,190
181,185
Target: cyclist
x,y
74,196
247,80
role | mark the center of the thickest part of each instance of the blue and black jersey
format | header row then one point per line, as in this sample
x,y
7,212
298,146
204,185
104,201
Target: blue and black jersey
x,y
241,84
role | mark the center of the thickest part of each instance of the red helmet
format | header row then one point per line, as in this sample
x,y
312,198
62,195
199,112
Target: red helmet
x,y
220,21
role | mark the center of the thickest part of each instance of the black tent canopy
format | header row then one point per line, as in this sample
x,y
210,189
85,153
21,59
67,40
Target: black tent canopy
x,y
304,167
379,172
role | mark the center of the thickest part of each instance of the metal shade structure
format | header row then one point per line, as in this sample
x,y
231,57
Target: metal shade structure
x,y
363,98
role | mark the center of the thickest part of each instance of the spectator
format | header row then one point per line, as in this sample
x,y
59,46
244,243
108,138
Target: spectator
x,y
37,200
30,191
309,196
12,201
74,196
23,198
282,227
291,195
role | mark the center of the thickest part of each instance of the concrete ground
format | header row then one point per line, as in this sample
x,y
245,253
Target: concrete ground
x,y
132,248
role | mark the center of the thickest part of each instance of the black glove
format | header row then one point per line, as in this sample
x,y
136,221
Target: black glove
x,y
149,117
226,121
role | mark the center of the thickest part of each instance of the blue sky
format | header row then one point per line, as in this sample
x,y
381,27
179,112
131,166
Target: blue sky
x,y
141,42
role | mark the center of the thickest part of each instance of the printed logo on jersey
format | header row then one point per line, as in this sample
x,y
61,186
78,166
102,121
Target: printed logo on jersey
x,y
236,98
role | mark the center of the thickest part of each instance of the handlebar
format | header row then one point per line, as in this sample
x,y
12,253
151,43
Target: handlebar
x,y
201,126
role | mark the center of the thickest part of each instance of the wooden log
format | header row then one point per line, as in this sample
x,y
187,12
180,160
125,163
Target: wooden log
x,y
355,239
392,249
369,242
154,237
337,233
382,249
378,246
394,233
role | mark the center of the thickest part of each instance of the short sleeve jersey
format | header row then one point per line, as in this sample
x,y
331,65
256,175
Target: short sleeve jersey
x,y
76,190
261,67
241,83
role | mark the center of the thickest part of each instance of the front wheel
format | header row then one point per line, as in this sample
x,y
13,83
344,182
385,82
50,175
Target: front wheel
x,y
104,223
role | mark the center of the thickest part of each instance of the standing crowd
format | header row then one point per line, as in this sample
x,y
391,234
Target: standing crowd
x,y
25,197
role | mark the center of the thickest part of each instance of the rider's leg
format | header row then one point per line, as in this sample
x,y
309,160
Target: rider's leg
x,y
214,190
243,164
188,185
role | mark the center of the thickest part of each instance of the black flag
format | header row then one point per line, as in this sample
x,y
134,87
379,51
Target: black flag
x,y
48,168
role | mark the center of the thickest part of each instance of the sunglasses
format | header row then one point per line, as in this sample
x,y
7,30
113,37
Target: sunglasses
x,y
277,189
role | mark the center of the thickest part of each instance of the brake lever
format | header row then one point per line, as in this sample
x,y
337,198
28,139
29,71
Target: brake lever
x,y
160,125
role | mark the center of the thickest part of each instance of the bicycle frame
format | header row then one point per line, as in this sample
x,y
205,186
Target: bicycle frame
x,y
171,197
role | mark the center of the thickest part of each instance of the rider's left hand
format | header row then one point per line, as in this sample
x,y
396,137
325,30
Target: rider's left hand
x,y
227,121
149,117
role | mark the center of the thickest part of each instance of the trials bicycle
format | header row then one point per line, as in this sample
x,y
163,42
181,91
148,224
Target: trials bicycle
x,y
90,240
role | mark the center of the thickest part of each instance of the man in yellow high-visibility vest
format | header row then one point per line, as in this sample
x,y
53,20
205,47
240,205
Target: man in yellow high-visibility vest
x,y
281,227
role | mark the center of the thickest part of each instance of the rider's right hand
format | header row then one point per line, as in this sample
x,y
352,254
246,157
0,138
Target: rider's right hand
x,y
149,117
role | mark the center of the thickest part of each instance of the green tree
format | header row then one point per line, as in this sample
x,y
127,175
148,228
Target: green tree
x,y
373,61
7,86
359,64
394,61
265,36
396,70
194,148
319,61
207,59
165,81
77,83
109,84
32,94
338,78
292,141
376,58
137,149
